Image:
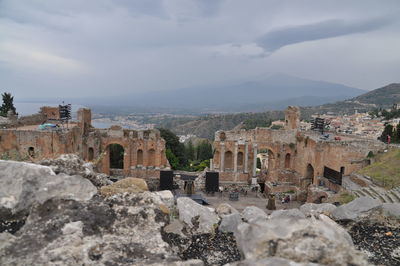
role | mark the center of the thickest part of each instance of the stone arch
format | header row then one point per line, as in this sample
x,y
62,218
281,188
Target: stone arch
x,y
228,164
309,177
310,172
139,157
240,158
151,158
116,155
287,160
31,152
90,154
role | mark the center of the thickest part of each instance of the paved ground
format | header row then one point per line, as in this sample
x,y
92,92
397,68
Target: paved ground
x,y
244,201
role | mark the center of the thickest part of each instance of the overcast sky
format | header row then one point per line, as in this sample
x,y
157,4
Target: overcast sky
x,y
106,47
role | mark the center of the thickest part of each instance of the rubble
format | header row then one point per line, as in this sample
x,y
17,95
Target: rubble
x,y
71,164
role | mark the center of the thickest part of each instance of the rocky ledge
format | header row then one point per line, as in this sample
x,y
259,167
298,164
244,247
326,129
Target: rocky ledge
x,y
52,215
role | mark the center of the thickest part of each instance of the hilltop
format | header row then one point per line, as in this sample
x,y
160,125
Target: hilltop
x,y
384,96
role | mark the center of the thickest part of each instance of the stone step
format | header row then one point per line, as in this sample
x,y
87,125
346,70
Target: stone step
x,y
388,197
361,193
369,193
396,195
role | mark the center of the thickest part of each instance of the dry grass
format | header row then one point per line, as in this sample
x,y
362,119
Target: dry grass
x,y
386,170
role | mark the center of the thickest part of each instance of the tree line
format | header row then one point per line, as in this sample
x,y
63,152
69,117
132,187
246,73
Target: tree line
x,y
187,157
393,132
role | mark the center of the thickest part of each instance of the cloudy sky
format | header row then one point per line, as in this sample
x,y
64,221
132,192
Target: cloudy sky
x,y
52,48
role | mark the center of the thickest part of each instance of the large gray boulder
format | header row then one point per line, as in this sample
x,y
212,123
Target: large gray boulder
x,y
199,219
123,229
272,261
225,209
300,240
391,210
252,213
314,209
23,184
354,209
292,213
230,222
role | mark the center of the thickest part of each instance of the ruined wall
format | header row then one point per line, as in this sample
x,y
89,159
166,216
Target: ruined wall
x,y
144,151
301,152
50,112
292,117
25,144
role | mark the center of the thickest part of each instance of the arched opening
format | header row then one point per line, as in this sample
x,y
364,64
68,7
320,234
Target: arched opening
x,y
116,156
310,172
139,157
151,157
228,160
90,154
31,152
287,160
240,159
308,179
342,170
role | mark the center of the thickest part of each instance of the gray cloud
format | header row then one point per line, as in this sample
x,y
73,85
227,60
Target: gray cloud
x,y
107,47
276,39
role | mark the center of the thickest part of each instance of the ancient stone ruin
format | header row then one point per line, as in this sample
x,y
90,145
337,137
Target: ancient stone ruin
x,y
290,159
137,153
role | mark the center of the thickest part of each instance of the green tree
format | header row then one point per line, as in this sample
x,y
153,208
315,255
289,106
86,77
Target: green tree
x,y
190,151
398,133
8,104
172,159
177,148
204,151
388,131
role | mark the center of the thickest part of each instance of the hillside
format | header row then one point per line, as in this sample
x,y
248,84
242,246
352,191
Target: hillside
x,y
384,96
385,170
207,125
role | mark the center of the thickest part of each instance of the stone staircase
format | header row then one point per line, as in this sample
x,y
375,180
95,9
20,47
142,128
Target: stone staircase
x,y
385,196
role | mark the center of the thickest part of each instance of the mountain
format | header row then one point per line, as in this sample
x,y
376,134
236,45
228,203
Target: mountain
x,y
207,125
385,96
254,95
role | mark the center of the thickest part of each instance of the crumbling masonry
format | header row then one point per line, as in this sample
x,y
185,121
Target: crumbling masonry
x,y
143,151
295,159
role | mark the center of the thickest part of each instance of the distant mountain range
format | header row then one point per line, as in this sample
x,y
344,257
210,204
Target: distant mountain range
x,y
206,126
268,93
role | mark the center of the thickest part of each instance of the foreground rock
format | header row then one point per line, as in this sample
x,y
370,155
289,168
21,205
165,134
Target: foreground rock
x,y
23,184
355,209
71,164
199,219
314,209
129,185
300,240
122,229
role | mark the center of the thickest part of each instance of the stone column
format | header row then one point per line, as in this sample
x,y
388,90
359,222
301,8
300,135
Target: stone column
x,y
222,159
246,156
235,157
254,160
